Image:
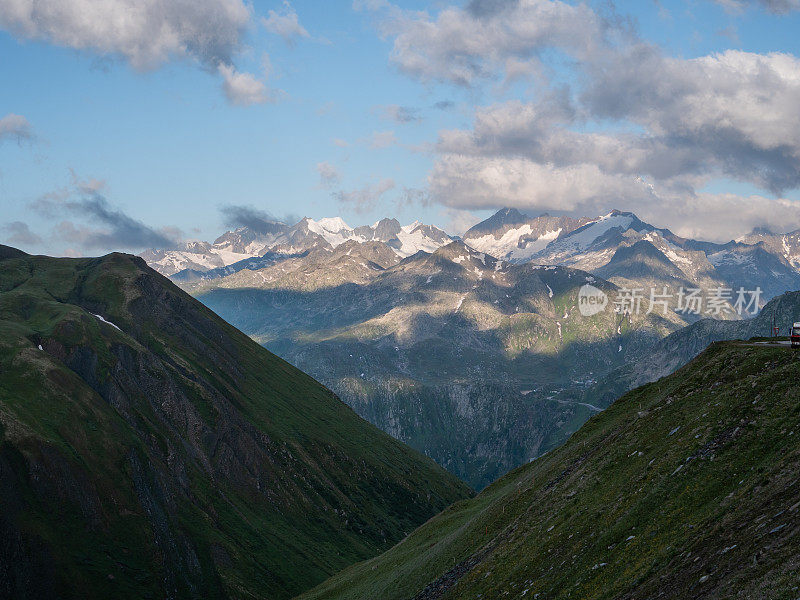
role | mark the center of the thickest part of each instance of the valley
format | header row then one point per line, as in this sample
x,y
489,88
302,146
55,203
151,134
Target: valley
x,y
684,488
400,300
480,361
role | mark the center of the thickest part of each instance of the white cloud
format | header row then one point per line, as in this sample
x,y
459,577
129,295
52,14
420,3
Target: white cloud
x,y
15,127
464,183
382,139
634,129
479,182
371,5
378,140
465,46
285,24
458,221
725,115
735,111
722,217
243,89
144,32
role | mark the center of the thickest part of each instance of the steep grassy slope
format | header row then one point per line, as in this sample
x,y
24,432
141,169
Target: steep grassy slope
x,y
148,449
684,488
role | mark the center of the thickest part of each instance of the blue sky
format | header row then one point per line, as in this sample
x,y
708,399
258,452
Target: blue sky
x,y
163,144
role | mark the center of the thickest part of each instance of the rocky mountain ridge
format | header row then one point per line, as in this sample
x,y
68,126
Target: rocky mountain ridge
x,y
762,259
195,258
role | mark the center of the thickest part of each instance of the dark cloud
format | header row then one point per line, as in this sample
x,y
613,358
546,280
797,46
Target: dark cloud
x,y
258,220
105,227
444,105
122,231
401,114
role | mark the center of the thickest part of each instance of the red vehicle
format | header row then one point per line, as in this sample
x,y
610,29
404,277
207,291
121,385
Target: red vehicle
x,y
795,335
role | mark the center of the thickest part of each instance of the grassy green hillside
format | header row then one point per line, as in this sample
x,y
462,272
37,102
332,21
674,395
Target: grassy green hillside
x,y
684,488
148,449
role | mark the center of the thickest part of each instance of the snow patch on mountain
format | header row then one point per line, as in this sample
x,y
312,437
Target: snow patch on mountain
x,y
585,236
414,238
727,257
329,232
169,262
333,230
100,317
514,243
409,240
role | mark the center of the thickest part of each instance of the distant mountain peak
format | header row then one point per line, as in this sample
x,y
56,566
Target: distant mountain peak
x,y
511,213
502,219
386,221
334,224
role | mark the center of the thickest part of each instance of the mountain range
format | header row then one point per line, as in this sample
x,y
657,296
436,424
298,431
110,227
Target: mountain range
x,y
148,449
761,259
472,351
281,239
681,346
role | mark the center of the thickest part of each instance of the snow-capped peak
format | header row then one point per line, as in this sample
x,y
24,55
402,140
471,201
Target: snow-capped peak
x,y
411,226
331,224
583,237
